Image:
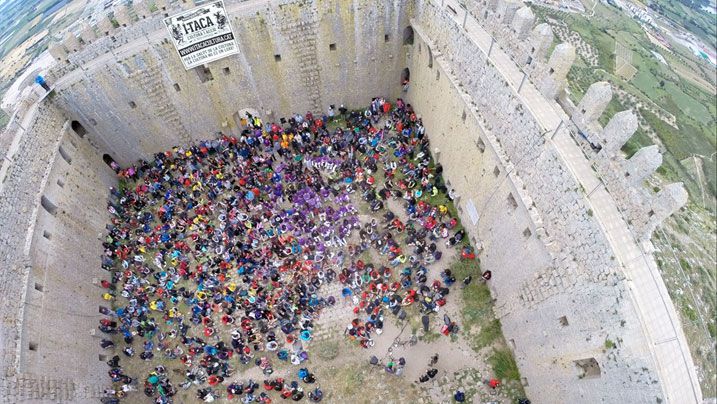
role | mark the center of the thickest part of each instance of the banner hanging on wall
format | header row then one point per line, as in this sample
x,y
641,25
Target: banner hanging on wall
x,y
202,34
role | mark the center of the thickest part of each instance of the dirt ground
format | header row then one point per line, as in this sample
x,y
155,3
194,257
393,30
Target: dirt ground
x,y
342,368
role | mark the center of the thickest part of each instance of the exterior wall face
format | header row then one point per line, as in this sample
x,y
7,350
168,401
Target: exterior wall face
x,y
49,255
294,58
548,255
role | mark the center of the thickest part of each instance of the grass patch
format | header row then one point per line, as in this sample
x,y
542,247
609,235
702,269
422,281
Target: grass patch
x,y
636,142
429,336
478,306
350,381
479,322
488,334
504,366
327,350
335,123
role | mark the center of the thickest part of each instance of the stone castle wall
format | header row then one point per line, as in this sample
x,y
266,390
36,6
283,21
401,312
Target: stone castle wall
x,y
510,23
52,212
561,291
133,98
552,232
294,57
549,257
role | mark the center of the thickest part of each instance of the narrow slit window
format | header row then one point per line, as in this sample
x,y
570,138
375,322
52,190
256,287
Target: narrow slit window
x,y
65,156
480,144
204,74
512,202
48,205
408,35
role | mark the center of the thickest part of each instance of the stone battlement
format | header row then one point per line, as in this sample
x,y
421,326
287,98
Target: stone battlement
x,y
563,227
512,25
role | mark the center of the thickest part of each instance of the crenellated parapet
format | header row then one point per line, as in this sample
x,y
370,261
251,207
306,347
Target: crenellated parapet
x,y
552,79
522,22
642,208
511,25
122,15
87,33
592,105
58,52
71,42
83,43
642,164
580,260
513,28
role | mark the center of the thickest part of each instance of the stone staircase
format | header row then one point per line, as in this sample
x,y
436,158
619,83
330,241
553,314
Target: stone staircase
x,y
150,79
26,387
302,36
333,320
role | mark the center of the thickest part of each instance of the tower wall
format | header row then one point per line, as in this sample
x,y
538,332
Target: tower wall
x,y
294,57
573,287
52,212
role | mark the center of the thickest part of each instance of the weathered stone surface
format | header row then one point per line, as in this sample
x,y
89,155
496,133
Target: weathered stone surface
x,y
593,104
643,164
549,253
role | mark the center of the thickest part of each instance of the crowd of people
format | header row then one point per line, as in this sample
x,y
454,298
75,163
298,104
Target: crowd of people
x,y
218,251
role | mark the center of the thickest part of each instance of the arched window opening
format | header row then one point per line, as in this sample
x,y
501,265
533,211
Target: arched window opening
x,y
408,36
405,76
78,128
110,162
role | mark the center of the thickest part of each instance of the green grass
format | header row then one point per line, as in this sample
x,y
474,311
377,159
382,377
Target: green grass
x,y
429,336
478,306
481,327
335,123
327,350
504,366
687,104
636,142
488,334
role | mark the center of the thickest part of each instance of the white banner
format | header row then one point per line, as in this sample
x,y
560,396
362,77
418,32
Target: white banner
x,y
202,34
